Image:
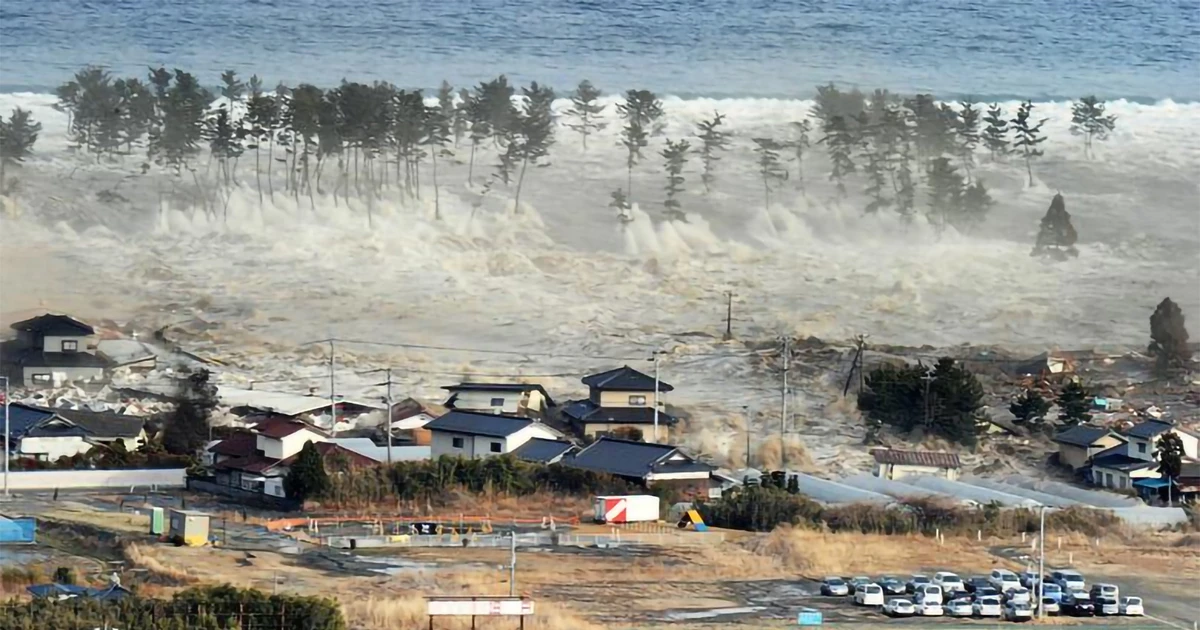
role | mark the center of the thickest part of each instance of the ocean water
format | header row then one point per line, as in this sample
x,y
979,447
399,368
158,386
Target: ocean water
x,y
989,49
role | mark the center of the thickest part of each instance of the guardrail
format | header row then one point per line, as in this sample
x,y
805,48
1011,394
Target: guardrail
x,y
540,539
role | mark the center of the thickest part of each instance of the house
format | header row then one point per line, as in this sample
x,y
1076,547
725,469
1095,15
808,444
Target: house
x,y
649,465
1143,439
47,434
1114,468
51,350
379,454
621,402
1077,445
1044,365
258,461
477,435
543,451
896,464
409,417
525,400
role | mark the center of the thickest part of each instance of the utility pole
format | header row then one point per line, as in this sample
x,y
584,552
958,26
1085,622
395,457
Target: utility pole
x,y
332,390
928,404
7,446
387,423
784,400
749,416
1041,564
729,315
862,357
655,440
512,565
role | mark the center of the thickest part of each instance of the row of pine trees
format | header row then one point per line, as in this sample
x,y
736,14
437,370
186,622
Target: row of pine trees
x,y
367,139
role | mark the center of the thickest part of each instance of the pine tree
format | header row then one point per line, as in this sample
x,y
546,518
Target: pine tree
x,y
307,478
799,145
839,142
906,190
830,102
945,400
620,203
712,140
1074,401
1030,407
973,209
1056,236
18,134
585,109
967,134
224,145
956,398
1028,136
137,111
1169,338
534,130
438,124
995,134
1169,453
462,116
945,192
1089,120
675,157
641,111
186,427
931,127
770,169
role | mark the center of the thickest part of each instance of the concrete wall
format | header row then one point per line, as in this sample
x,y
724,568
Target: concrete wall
x,y
598,429
60,375
67,479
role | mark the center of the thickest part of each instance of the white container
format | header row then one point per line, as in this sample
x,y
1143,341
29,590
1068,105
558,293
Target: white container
x,y
630,508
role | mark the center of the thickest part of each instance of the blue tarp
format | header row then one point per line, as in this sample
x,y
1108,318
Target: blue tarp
x,y
1152,483
17,530
67,591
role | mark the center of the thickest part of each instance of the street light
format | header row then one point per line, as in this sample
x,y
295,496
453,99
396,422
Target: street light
x,y
7,452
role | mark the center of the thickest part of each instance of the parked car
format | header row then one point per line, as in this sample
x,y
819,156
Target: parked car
x,y
975,582
859,581
948,581
915,581
1028,578
949,596
1018,611
892,585
1068,580
1077,604
928,593
1107,606
1050,606
1050,590
1099,590
899,608
1003,579
930,609
869,595
960,608
1020,595
1132,606
985,591
988,607
835,587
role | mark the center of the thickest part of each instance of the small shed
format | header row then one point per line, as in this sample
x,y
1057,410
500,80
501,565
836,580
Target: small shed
x,y
896,464
188,527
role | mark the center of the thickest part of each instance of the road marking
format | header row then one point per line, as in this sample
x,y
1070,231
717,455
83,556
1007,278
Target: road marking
x,y
1169,623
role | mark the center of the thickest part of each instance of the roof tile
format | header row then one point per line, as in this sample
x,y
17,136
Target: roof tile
x,y
917,458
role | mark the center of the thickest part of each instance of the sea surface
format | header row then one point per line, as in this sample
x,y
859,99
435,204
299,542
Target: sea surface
x,y
988,49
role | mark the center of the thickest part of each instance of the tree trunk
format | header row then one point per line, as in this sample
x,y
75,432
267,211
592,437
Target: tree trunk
x,y
471,166
629,181
271,167
1029,168
437,202
258,174
520,182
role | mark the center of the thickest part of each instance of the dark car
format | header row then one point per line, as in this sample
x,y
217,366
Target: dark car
x,y
835,587
985,591
953,595
1078,606
915,581
892,585
976,582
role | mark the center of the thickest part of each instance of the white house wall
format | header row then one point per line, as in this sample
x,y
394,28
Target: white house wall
x,y
54,344
61,375
52,448
480,446
900,471
288,445
472,400
621,399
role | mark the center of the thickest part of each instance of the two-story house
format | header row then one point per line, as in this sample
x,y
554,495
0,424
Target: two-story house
x,y
525,400
1122,466
1079,444
478,435
621,402
51,350
258,461
648,465
46,434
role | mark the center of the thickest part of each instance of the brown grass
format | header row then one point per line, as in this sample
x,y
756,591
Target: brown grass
x,y
408,611
147,559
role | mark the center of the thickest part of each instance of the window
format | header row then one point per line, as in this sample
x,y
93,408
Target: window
x,y
70,346
1110,480
497,402
1121,483
637,401
456,442
41,378
496,447
1141,447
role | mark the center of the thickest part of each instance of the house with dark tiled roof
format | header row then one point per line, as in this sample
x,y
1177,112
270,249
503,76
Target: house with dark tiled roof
x,y
477,435
525,400
50,350
257,461
543,451
897,464
648,464
1079,444
621,402
46,434
1121,466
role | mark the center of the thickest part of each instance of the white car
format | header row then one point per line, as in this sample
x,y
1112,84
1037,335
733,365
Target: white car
x,y
1020,595
1107,606
949,582
1029,578
1003,580
1105,590
960,608
931,593
988,607
1069,580
1050,606
930,609
899,608
1132,606
1018,611
869,595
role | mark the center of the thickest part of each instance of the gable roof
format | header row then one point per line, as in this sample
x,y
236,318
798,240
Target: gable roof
x,y
471,423
1149,429
105,423
588,412
501,387
916,458
22,418
625,458
543,450
1115,458
240,444
328,450
279,427
411,407
54,325
1083,435
624,379
34,357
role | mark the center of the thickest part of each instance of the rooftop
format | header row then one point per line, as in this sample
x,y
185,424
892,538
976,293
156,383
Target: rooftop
x,y
239,444
543,450
471,423
916,458
587,412
501,387
624,379
1115,458
628,458
105,423
279,427
54,325
1082,435
1149,429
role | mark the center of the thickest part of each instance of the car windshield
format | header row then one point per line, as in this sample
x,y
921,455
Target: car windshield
x,y
1051,588
1049,600
991,601
834,581
873,589
1072,577
920,579
1134,601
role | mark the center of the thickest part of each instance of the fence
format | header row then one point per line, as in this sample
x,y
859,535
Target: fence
x,y
256,499
87,615
527,540
78,479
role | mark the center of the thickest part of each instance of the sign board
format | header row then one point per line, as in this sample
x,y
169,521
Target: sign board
x,y
809,617
424,529
504,607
